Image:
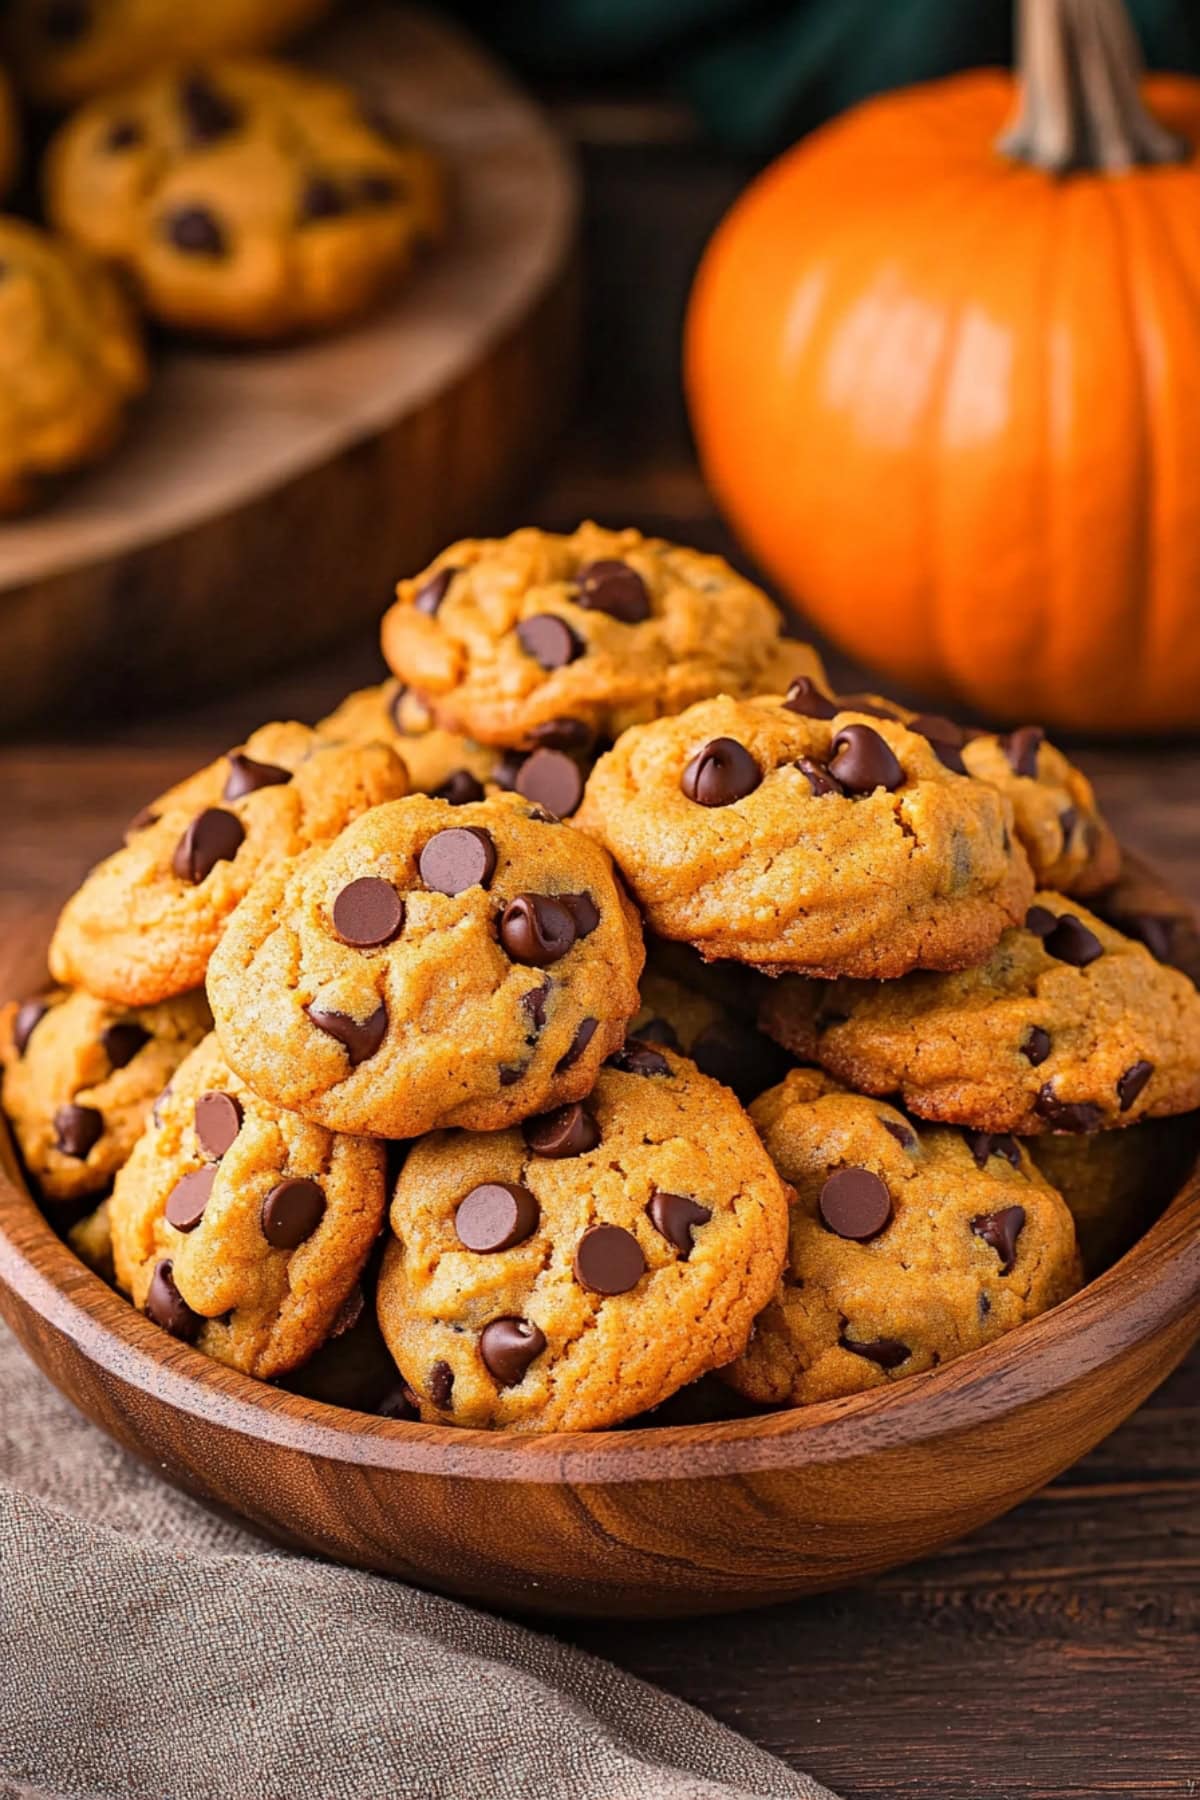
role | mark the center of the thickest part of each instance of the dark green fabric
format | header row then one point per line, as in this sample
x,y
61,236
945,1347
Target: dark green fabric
x,y
759,72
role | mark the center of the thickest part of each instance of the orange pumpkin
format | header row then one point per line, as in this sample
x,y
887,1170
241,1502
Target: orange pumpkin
x,y
946,381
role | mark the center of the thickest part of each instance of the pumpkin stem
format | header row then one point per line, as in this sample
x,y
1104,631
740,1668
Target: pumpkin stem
x,y
1079,68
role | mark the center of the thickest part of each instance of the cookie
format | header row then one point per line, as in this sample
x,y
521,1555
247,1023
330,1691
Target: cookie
x,y
593,631
696,1025
146,920
907,1247
1066,1026
80,1078
576,1272
240,1228
435,965
1116,1183
64,50
91,1240
71,363
828,846
244,199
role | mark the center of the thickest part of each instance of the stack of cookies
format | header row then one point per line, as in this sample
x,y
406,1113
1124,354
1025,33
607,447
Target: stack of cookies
x,y
608,1005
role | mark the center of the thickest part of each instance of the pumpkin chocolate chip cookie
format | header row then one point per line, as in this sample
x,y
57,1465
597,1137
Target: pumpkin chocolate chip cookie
x,y
435,965
596,631
246,199
80,1077
828,846
1065,1026
145,921
576,1272
907,1246
241,1228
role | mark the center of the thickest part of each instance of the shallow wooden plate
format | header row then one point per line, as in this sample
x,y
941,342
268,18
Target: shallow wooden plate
x,y
265,501
670,1519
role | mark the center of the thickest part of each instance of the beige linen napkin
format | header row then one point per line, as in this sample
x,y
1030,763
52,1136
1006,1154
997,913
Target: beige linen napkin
x,y
149,1651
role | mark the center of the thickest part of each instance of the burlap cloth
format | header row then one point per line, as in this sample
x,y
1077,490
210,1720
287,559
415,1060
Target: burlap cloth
x,y
150,1650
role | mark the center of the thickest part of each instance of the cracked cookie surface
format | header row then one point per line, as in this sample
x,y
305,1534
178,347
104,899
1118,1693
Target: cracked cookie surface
x,y
504,637
907,1245
828,846
1066,1026
239,1227
574,1273
435,965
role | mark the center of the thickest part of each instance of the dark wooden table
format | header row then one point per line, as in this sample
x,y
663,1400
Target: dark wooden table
x,y
1056,1653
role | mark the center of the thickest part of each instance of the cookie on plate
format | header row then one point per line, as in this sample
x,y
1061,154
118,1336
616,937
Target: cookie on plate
x,y
145,921
240,1228
908,1246
71,363
575,1272
435,965
1065,1026
829,846
80,1078
593,631
694,1023
244,199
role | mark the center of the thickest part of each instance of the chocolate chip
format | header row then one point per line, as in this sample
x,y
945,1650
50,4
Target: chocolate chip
x,y
511,1073
189,1197
66,21
195,231
862,761
1072,942
720,773
574,735
213,836
123,134
906,1138
567,1131
855,1204
208,113
983,1144
1152,930
432,592
441,1385
805,697
461,857
1132,1082
533,1005
218,1119
549,640
1001,1230
322,198
537,929
1041,921
123,1040
1035,1046
549,778
508,1346
29,1016
1021,748
887,1353
658,1031
583,910
166,1307
246,776
1067,1115
77,1129
291,1213
945,738
634,1058
585,1031
612,587
141,820
496,1216
819,779
460,788
675,1217
360,1040
609,1260
368,912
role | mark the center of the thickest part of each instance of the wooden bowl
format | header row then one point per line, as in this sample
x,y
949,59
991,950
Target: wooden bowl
x,y
662,1520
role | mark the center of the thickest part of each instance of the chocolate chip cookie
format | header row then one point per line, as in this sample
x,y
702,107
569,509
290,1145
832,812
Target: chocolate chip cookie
x,y
240,1228
244,199
71,363
145,921
80,1078
591,632
435,965
1065,1026
782,840
575,1272
908,1246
